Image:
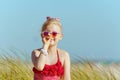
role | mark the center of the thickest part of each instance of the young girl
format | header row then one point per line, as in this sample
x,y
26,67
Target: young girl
x,y
51,63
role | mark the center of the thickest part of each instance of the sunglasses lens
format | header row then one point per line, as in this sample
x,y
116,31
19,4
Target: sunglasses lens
x,y
46,33
54,34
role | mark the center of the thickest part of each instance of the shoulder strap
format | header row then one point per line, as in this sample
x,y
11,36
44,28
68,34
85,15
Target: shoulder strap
x,y
58,56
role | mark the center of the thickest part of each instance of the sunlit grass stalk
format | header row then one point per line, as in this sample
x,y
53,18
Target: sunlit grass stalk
x,y
13,67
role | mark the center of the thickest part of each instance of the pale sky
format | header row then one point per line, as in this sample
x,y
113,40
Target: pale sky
x,y
91,28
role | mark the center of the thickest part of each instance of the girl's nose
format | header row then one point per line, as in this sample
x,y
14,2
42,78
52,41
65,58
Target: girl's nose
x,y
50,35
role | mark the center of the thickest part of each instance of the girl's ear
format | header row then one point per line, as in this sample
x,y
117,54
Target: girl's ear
x,y
41,35
61,36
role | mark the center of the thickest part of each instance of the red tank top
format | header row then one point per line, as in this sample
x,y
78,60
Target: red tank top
x,y
51,70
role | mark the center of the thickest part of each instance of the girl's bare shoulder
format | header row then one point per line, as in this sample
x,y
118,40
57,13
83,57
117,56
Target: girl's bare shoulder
x,y
63,53
64,56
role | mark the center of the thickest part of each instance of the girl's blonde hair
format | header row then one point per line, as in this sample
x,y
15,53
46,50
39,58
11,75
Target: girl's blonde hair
x,y
50,21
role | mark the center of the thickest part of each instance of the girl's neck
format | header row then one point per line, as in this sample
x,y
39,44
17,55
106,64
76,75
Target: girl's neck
x,y
52,49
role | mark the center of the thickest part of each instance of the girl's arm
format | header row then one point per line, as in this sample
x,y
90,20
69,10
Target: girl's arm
x,y
67,67
38,59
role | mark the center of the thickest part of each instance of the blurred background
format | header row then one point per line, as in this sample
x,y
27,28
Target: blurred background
x,y
91,28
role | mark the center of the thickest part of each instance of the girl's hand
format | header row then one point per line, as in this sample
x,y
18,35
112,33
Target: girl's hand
x,y
46,42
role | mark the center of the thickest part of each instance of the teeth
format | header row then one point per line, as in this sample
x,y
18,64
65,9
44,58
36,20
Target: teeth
x,y
52,39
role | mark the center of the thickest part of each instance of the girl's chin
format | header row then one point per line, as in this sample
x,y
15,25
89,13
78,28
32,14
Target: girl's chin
x,y
52,44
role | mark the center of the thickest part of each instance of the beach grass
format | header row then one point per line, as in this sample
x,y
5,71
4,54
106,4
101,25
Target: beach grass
x,y
12,67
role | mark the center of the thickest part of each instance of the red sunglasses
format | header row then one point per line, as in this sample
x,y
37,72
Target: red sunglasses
x,y
46,34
